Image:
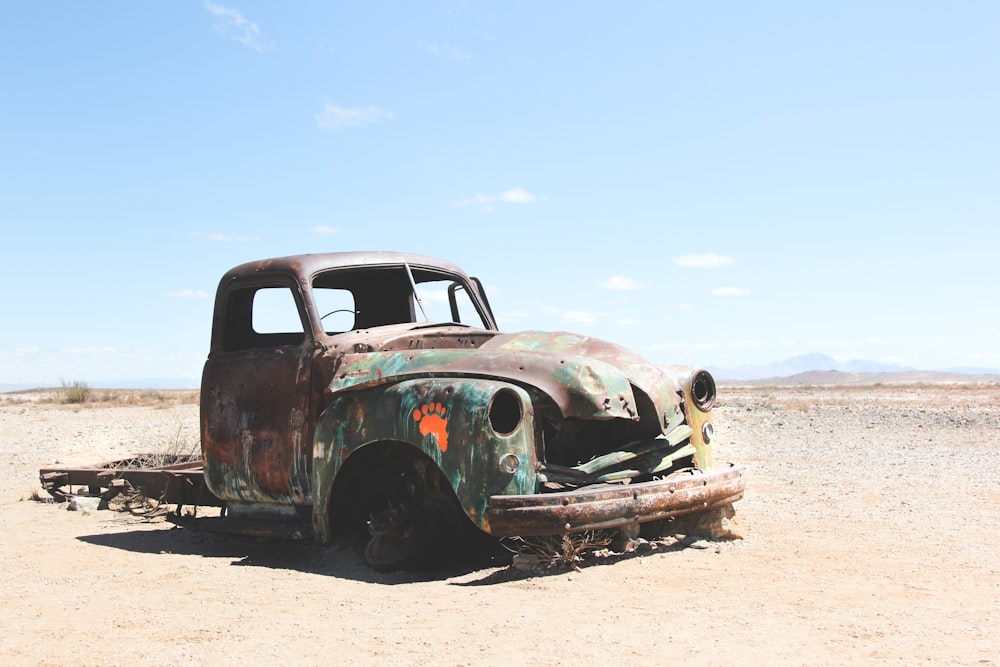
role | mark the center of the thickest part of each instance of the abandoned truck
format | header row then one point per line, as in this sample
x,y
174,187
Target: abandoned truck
x,y
375,389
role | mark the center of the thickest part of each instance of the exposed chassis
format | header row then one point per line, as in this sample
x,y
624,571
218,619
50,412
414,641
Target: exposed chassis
x,y
181,483
600,506
612,506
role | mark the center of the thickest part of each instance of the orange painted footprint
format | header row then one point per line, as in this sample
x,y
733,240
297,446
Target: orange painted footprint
x,y
432,420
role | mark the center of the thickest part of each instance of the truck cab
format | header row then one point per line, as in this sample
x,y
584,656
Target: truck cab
x,y
375,390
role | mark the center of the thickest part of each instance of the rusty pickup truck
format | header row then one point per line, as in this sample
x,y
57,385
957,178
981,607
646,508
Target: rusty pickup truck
x,y
373,390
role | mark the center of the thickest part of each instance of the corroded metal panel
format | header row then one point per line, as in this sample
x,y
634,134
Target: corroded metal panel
x,y
256,426
446,419
584,388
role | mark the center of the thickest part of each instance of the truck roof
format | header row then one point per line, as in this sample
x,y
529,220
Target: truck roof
x,y
310,264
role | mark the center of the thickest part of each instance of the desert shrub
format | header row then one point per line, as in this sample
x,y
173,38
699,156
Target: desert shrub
x,y
564,550
74,391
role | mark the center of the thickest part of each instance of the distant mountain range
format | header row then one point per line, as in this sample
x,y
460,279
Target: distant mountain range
x,y
138,383
809,363
802,369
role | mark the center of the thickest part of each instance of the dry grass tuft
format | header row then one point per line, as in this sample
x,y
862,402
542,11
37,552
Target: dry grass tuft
x,y
565,550
37,496
796,404
178,450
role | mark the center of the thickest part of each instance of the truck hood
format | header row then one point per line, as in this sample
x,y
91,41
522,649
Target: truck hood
x,y
586,377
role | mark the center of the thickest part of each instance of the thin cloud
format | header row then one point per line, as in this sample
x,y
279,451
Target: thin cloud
x,y
225,238
705,261
621,284
433,295
681,347
581,316
686,307
325,230
333,117
234,25
730,291
188,294
38,366
978,357
627,322
574,316
512,196
848,342
444,51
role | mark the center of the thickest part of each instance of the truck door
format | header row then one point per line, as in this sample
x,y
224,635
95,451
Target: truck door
x,y
255,415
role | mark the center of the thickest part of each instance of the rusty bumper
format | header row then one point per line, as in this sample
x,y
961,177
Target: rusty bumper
x,y
611,506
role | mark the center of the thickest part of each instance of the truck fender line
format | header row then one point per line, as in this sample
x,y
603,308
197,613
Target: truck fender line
x,y
453,421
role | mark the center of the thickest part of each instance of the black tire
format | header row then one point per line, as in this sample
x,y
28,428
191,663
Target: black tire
x,y
404,547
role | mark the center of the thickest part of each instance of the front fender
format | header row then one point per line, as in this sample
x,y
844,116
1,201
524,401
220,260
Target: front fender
x,y
447,419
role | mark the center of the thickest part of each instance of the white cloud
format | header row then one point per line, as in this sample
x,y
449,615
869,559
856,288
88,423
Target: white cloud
x,y
705,261
444,51
730,291
433,295
326,230
621,284
333,117
188,294
686,307
581,316
512,196
233,24
680,347
627,322
517,196
826,343
226,238
573,316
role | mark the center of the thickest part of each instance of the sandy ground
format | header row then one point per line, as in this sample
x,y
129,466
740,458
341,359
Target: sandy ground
x,y
870,529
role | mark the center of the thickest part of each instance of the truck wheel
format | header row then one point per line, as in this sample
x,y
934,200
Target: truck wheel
x,y
403,546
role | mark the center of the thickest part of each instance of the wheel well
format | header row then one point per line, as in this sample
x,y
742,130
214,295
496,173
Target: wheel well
x,y
385,474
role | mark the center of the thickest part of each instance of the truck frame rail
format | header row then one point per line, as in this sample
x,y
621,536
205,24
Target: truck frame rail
x,y
174,480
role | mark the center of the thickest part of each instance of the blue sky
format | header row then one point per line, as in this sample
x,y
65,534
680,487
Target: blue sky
x,y
707,183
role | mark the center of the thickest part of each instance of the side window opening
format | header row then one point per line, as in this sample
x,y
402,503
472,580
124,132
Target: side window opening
x,y
259,317
275,312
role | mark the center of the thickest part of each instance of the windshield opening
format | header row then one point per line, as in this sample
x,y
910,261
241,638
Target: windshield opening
x,y
360,299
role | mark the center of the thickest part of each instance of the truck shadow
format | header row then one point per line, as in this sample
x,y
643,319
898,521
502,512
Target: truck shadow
x,y
343,559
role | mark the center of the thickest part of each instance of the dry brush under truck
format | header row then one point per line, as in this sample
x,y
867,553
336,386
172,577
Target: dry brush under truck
x,y
353,390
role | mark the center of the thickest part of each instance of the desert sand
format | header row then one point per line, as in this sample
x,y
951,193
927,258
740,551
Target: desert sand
x,y
869,534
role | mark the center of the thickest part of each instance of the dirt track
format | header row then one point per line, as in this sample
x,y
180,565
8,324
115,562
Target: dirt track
x,y
870,527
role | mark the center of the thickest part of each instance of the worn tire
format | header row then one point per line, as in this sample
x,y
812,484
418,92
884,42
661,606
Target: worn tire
x,y
404,547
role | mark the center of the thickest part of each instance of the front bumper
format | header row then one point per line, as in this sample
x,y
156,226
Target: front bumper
x,y
610,506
